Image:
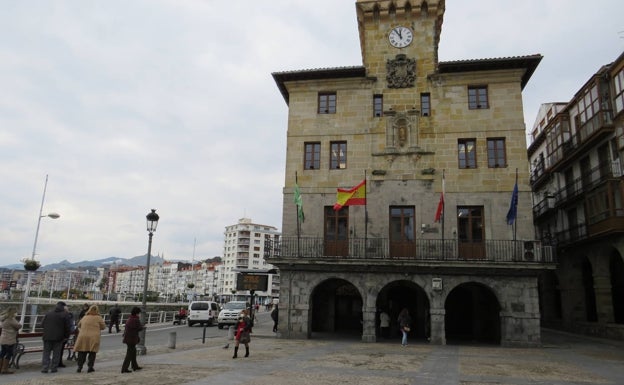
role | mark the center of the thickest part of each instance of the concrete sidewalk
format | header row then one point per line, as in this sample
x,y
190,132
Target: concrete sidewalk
x,y
563,359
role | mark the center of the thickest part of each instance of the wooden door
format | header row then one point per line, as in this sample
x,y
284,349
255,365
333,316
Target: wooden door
x,y
470,232
336,232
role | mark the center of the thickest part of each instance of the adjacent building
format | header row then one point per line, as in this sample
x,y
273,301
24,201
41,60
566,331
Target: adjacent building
x,y
245,247
576,174
438,228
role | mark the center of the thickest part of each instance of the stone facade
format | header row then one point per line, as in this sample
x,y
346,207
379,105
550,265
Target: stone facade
x,y
339,269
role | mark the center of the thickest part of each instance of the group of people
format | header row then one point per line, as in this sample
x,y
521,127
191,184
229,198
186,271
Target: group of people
x,y
404,322
58,325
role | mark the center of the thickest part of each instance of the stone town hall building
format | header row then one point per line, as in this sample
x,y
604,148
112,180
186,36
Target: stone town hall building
x,y
401,121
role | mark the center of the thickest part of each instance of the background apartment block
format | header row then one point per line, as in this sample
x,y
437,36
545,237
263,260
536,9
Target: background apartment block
x,y
576,173
245,247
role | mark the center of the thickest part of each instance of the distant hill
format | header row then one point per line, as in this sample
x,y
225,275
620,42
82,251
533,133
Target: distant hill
x,y
140,260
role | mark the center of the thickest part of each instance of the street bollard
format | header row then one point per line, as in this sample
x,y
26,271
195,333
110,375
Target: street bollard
x,y
230,333
172,340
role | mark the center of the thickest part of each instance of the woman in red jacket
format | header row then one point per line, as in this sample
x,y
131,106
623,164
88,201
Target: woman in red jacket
x,y
243,330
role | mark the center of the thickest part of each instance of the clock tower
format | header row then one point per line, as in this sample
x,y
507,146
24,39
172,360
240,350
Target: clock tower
x,y
399,40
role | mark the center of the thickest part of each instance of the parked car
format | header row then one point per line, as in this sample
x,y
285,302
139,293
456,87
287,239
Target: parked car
x,y
202,312
230,312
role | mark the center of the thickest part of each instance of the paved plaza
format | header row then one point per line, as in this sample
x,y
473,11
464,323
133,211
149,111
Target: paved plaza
x,y
563,359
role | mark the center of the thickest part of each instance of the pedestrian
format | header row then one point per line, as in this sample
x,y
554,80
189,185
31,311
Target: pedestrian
x,y
275,318
56,329
72,330
243,333
115,317
405,322
131,339
384,324
8,338
88,341
83,311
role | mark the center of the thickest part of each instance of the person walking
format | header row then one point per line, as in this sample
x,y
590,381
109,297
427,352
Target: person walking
x,y
275,318
131,339
8,338
88,340
243,333
405,322
56,329
384,324
115,317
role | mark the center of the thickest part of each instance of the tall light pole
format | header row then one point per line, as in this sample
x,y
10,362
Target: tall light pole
x,y
152,222
34,251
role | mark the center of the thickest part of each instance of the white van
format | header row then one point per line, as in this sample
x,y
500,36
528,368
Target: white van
x,y
231,311
202,312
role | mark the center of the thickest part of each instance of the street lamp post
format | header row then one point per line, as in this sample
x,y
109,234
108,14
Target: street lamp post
x,y
30,273
152,222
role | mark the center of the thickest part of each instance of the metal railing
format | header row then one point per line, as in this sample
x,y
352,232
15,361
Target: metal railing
x,y
32,323
490,251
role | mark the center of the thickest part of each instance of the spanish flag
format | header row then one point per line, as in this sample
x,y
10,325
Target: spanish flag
x,y
355,196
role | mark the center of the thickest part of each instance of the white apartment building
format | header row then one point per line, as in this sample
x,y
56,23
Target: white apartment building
x,y
174,281
244,248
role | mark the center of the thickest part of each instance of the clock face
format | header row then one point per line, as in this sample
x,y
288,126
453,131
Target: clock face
x,y
400,37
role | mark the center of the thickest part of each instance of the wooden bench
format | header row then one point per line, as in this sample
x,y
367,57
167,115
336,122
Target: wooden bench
x,y
21,349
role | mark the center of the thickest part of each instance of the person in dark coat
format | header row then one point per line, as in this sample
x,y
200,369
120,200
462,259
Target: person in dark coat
x,y
275,318
115,317
131,339
405,322
56,328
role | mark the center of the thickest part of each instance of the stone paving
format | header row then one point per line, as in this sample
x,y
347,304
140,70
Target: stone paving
x,y
563,359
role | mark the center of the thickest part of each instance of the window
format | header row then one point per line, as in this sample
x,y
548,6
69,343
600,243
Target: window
x,y
312,157
338,155
588,105
402,223
327,103
425,104
618,86
477,97
496,152
377,105
467,154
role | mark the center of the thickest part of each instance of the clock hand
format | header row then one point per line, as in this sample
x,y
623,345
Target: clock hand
x,y
398,31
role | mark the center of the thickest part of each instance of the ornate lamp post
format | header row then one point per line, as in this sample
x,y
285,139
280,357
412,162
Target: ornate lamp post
x,y
31,264
152,222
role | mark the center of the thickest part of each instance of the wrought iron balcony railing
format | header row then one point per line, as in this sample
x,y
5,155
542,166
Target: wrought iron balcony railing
x,y
431,250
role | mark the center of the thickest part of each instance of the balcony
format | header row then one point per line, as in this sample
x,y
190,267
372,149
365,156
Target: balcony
x,y
431,251
587,134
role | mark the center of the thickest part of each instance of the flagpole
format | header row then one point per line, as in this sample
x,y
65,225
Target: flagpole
x,y
297,215
365,216
515,224
442,219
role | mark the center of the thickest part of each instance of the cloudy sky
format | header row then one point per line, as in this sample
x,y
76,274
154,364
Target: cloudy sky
x,y
130,105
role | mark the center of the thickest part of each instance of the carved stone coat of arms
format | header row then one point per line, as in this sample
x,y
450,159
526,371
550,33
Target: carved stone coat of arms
x,y
401,72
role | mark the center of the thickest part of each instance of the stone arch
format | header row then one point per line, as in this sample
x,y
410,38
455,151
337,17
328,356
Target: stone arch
x,y
400,294
616,272
587,274
550,304
336,307
472,314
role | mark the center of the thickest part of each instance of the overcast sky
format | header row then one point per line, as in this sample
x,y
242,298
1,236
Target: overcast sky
x,y
131,105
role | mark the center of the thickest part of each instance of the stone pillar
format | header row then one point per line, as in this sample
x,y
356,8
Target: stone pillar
x,y
438,334
368,326
604,298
